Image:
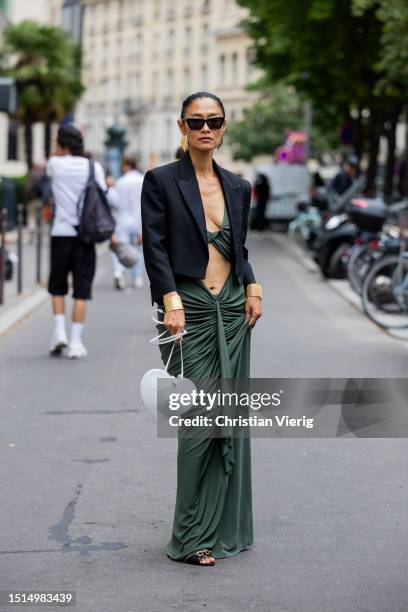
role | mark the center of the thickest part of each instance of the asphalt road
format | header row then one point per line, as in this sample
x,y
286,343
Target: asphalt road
x,y
88,490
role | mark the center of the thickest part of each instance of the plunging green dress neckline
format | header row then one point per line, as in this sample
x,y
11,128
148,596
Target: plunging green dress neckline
x,y
221,239
224,224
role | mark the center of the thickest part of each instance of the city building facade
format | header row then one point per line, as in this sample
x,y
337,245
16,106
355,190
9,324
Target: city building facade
x,y
141,58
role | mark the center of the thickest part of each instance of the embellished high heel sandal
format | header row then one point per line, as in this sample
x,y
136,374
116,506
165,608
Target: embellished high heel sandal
x,y
198,557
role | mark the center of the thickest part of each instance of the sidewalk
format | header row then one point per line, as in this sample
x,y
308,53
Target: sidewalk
x,y
340,286
16,306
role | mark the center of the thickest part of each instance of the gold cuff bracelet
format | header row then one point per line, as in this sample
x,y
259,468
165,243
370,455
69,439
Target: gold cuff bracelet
x,y
172,302
254,290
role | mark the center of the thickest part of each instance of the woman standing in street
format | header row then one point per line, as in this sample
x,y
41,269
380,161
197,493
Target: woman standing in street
x,y
195,218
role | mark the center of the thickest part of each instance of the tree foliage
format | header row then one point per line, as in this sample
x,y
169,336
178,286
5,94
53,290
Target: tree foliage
x,y
46,65
264,126
349,57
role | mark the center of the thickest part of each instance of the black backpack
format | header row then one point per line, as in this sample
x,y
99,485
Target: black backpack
x,y
96,222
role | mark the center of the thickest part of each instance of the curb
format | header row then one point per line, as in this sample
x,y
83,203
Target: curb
x,y
22,310
28,304
341,287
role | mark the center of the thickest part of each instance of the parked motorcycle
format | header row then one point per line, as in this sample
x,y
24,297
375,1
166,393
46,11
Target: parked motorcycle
x,y
338,234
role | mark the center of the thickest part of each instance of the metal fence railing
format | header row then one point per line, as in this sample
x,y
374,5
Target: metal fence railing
x,y
14,268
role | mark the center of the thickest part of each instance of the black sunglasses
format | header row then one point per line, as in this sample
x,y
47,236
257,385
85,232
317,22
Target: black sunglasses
x,y
196,123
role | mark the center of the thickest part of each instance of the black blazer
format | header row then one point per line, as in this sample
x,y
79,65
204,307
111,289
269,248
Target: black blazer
x,y
174,229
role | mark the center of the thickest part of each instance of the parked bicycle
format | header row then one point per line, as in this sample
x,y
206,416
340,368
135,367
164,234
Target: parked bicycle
x,y
385,288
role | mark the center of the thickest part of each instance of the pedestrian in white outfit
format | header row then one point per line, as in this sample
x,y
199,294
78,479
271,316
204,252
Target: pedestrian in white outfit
x,y
126,197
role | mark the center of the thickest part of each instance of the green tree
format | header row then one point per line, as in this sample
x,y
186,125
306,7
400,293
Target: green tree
x,y
264,125
331,51
393,68
46,64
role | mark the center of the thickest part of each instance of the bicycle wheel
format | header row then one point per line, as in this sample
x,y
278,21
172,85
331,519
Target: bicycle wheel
x,y
378,299
338,261
358,265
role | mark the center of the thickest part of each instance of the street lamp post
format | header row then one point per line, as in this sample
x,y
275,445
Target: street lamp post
x,y
115,145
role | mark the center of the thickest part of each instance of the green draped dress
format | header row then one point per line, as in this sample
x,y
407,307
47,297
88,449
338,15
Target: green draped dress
x,y
214,497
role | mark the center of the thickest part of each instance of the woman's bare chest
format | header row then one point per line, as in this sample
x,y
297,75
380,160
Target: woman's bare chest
x,y
213,203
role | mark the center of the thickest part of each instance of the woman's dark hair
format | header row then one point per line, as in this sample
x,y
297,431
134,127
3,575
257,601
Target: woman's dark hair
x,y
69,137
198,95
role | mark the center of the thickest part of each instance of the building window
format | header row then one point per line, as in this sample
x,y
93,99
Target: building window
x,y
157,6
103,89
104,52
249,64
155,86
118,87
204,37
188,40
204,77
12,146
139,44
136,86
107,9
171,9
187,81
170,41
188,8
169,83
155,45
234,69
169,129
222,70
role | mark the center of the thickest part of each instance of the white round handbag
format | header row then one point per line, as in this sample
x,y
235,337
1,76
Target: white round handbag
x,y
155,402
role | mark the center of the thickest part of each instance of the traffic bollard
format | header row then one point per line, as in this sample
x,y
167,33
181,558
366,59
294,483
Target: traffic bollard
x,y
38,210
3,224
20,216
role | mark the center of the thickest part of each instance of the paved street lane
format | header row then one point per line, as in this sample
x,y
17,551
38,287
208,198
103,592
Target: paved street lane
x,y
88,490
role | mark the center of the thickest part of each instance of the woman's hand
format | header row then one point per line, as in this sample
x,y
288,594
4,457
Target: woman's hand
x,y
253,309
174,322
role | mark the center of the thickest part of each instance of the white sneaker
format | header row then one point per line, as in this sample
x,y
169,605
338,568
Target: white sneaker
x,y
138,282
77,350
59,341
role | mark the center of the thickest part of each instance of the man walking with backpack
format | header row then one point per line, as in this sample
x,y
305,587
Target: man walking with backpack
x,y
69,171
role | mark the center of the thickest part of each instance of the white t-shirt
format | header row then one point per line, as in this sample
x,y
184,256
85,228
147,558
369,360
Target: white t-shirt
x,y
69,174
127,201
